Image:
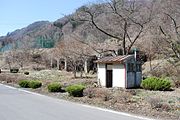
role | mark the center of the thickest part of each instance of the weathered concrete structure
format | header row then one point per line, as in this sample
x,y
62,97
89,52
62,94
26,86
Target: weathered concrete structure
x,y
119,71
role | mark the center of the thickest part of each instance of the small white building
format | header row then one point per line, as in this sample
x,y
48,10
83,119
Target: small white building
x,y
119,71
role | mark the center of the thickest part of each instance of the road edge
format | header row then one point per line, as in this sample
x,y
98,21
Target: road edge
x,y
84,105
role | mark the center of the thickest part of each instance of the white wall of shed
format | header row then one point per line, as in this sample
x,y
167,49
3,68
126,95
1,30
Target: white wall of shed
x,y
102,74
119,75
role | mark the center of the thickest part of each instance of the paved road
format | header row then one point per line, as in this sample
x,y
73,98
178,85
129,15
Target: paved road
x,y
19,105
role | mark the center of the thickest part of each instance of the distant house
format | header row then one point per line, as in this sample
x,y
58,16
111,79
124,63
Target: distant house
x,y
119,71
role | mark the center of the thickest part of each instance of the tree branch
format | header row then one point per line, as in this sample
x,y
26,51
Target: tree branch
x,y
97,27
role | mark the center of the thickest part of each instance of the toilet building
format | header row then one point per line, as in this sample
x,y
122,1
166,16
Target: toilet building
x,y
120,71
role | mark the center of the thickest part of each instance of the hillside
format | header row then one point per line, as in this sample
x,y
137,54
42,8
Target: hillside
x,y
130,24
43,33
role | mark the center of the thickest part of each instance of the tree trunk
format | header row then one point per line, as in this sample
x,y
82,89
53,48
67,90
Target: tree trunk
x,y
81,74
58,64
51,64
74,71
124,47
150,63
9,64
124,38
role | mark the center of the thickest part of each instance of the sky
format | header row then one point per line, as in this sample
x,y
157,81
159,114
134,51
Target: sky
x,y
16,14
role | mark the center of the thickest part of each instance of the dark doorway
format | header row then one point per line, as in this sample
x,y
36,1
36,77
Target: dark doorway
x,y
109,78
109,75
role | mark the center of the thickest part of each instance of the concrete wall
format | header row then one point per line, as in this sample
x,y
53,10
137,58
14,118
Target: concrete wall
x,y
102,74
119,75
130,79
131,83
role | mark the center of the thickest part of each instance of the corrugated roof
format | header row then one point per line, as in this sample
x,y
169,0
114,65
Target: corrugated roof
x,y
117,59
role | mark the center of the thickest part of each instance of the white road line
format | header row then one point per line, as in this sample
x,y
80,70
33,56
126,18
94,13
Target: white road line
x,y
87,106
116,112
8,86
22,90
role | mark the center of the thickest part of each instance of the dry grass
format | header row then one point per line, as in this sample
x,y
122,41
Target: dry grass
x,y
52,75
10,77
136,101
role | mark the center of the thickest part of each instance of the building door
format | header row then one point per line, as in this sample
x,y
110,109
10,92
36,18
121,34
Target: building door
x,y
109,76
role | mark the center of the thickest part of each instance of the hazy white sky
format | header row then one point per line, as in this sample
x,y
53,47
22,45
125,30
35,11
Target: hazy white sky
x,y
16,14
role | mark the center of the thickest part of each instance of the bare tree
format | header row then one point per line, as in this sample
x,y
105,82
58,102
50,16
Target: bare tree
x,y
17,57
123,20
75,52
168,29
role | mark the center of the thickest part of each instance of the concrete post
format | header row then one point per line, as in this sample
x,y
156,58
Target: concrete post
x,y
86,66
58,67
51,64
65,64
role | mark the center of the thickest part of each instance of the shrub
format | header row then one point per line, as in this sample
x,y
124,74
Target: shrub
x,y
158,104
154,83
122,97
154,102
54,87
26,73
24,83
14,70
30,84
35,84
8,78
75,90
131,91
39,68
166,107
177,83
89,92
103,93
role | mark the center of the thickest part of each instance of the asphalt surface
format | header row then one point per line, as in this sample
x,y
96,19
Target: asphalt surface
x,y
20,105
